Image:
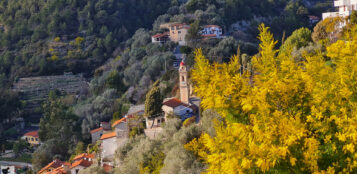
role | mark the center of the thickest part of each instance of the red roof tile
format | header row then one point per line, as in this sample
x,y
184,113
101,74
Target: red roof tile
x,y
82,162
108,135
161,35
32,134
53,164
96,130
119,121
174,102
83,155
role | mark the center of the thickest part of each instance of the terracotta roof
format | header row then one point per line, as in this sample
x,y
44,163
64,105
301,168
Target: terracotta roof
x,y
82,162
209,35
107,167
53,164
32,134
96,130
119,121
174,102
58,170
108,135
209,26
83,155
161,35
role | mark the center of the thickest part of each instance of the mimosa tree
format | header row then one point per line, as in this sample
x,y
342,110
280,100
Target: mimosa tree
x,y
284,116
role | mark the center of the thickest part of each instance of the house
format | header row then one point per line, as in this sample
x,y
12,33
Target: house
x,y
85,156
32,138
313,19
211,31
187,106
178,33
80,162
79,165
160,37
109,145
97,133
345,9
178,108
52,167
106,126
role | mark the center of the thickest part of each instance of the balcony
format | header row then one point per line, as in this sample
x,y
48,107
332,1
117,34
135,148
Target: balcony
x,y
339,3
330,15
336,14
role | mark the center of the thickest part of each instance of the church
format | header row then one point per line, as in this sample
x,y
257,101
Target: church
x,y
187,105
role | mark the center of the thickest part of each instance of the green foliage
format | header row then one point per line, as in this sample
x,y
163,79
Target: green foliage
x,y
193,35
114,80
136,131
299,38
153,165
79,148
189,121
20,146
29,26
153,102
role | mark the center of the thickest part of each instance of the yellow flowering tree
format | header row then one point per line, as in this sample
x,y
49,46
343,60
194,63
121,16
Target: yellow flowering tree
x,y
285,116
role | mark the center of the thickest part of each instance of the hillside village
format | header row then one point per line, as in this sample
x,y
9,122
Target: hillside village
x,y
95,122
111,137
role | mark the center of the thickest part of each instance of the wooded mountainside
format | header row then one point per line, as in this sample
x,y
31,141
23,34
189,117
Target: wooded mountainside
x,y
110,42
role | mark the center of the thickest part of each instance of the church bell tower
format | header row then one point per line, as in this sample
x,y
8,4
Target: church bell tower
x,y
184,87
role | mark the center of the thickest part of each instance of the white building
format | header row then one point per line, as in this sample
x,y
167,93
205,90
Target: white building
x,y
212,31
345,8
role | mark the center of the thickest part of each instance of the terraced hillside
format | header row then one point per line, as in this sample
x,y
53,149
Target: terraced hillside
x,y
34,90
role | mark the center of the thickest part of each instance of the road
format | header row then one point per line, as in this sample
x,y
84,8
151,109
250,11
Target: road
x,y
10,163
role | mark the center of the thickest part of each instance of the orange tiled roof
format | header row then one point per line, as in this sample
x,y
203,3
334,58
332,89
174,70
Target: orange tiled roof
x,y
96,130
83,155
53,164
108,135
166,34
119,121
82,162
32,134
174,102
58,170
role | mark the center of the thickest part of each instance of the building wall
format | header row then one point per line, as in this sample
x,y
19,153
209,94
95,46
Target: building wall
x,y
156,122
109,146
32,140
178,34
96,136
167,110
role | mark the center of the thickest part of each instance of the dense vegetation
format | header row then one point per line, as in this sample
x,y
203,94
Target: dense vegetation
x,y
285,116
51,37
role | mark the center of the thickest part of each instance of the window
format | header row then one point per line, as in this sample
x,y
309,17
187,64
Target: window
x,y
179,32
182,78
36,139
26,139
158,121
172,28
31,139
77,170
